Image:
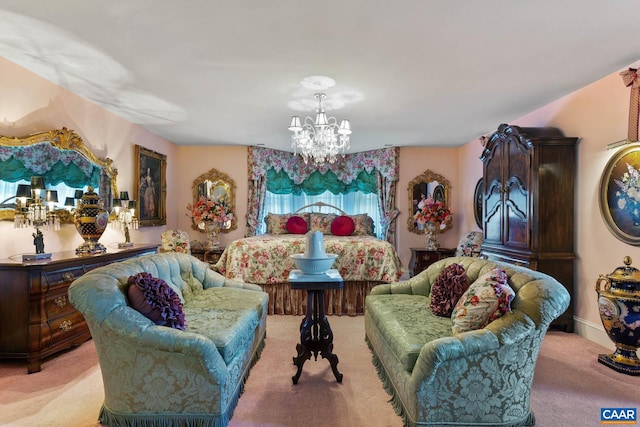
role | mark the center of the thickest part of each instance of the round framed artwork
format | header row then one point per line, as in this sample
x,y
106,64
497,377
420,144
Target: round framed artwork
x,y
620,194
477,204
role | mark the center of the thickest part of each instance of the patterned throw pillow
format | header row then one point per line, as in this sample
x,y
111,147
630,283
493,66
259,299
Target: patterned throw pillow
x,y
156,300
447,289
297,225
364,225
343,226
277,223
321,222
488,298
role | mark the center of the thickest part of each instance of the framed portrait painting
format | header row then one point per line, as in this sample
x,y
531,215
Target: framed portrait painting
x,y
620,194
150,189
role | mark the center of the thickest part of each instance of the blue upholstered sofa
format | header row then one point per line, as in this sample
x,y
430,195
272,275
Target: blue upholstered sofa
x,y
159,376
476,378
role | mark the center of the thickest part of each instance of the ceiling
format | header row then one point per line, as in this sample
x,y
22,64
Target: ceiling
x,y
408,72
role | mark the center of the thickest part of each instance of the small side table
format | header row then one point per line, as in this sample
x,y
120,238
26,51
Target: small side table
x,y
422,258
315,333
208,255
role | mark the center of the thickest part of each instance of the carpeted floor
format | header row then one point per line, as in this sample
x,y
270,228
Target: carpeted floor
x,y
569,388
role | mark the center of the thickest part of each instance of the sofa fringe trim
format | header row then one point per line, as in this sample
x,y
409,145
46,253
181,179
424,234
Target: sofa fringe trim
x,y
117,419
399,409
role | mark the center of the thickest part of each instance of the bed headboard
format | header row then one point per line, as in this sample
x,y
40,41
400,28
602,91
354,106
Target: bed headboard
x,y
320,205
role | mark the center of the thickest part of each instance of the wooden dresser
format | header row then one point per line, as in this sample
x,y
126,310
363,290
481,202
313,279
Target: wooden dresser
x,y
529,201
36,318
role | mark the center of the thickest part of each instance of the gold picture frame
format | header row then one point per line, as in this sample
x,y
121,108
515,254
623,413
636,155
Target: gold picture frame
x,y
620,194
150,189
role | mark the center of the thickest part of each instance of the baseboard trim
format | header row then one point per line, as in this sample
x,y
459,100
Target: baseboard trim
x,y
592,332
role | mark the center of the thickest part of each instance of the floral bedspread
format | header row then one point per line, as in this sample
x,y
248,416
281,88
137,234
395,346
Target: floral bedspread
x,y
265,259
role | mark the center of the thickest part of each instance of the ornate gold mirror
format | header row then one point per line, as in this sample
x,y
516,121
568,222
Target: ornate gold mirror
x,y
62,158
429,184
217,186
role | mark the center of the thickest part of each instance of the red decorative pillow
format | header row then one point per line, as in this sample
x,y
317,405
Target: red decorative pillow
x,y
156,300
297,225
447,289
343,226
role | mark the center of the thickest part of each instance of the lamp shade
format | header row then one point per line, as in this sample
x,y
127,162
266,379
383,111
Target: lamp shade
x,y
24,190
115,203
51,196
295,125
37,183
69,202
124,195
132,204
79,194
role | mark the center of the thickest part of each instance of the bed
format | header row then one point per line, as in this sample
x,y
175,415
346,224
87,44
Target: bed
x,y
363,261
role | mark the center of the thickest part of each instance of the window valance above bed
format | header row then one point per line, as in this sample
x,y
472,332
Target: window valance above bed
x,y
384,161
291,169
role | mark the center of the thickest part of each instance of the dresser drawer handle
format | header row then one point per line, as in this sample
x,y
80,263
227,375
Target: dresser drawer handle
x,y
68,276
65,326
60,301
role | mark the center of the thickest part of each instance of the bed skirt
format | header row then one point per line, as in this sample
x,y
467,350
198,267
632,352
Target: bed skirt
x,y
349,300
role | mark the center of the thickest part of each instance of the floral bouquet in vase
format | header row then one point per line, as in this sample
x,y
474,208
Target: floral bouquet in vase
x,y
432,215
211,215
629,194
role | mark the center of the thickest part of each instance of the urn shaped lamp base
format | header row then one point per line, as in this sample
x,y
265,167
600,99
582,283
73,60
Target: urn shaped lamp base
x,y
91,248
622,361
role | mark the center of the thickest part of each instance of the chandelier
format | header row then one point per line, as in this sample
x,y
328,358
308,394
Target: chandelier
x,y
320,141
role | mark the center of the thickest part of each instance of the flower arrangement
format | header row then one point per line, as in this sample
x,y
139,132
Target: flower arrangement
x,y
210,210
629,192
430,210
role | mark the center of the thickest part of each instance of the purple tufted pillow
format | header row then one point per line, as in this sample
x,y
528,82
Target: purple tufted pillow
x,y
156,300
447,289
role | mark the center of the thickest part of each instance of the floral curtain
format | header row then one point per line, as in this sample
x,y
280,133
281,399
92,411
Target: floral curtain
x,y
380,163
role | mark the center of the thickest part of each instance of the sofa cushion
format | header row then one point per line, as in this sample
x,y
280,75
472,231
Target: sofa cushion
x,y
297,225
156,300
488,298
447,289
405,324
229,317
343,226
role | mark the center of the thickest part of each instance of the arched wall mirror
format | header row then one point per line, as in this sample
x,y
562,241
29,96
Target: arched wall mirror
x,y
429,184
216,185
65,162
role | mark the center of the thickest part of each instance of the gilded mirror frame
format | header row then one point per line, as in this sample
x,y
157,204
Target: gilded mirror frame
x,y
62,139
222,180
421,182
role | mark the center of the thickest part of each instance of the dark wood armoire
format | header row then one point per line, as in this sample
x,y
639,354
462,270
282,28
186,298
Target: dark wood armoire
x,y
528,208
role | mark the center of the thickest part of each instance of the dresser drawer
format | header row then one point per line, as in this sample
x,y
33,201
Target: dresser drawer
x,y
63,276
64,327
57,303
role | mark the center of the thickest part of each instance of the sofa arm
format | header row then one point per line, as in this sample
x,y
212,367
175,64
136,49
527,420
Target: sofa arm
x,y
135,330
214,279
417,285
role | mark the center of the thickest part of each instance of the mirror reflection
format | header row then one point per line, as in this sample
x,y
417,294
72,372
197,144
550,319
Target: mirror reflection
x,y
428,184
215,185
61,158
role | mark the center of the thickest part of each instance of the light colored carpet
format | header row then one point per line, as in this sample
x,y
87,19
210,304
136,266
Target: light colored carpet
x,y
569,388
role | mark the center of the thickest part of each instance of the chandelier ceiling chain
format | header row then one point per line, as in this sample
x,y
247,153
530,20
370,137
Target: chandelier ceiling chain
x,y
320,141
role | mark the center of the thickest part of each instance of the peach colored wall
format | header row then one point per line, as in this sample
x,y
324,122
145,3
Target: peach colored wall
x,y
597,114
415,161
193,161
32,104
